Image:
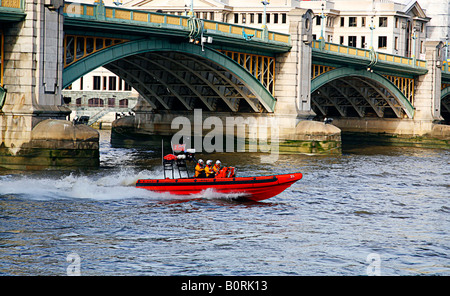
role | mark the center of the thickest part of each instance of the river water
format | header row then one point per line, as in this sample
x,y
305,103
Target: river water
x,y
372,210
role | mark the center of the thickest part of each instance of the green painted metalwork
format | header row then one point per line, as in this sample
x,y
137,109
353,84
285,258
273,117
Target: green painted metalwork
x,y
86,65
13,10
139,22
446,71
347,55
445,92
346,72
2,97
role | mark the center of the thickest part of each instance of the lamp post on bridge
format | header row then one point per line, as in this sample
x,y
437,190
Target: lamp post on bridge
x,y
322,20
414,37
265,29
372,53
191,11
371,27
446,48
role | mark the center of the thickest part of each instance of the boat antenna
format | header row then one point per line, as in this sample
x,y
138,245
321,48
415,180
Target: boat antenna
x,y
162,157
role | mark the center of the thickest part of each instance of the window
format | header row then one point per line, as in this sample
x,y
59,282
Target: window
x,y
259,18
283,18
342,21
268,18
363,21
352,41
396,22
112,83
421,47
330,21
314,36
81,83
244,18
123,103
104,82
252,18
363,41
383,22
111,102
78,102
318,20
275,18
211,16
127,87
382,42
396,43
236,18
341,39
422,27
119,84
96,83
352,21
95,102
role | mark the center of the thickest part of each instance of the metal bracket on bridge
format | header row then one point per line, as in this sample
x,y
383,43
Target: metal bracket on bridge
x,y
247,37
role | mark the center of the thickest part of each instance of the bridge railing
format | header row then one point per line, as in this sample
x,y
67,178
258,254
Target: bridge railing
x,y
20,4
446,67
365,53
161,20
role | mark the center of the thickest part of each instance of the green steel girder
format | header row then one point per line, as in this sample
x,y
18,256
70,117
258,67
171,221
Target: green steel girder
x,y
12,14
2,97
103,57
445,92
349,72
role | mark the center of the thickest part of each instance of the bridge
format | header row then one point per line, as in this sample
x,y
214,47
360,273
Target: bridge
x,y
179,64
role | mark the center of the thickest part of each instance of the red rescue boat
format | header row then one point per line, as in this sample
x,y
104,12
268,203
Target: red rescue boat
x,y
252,188
226,182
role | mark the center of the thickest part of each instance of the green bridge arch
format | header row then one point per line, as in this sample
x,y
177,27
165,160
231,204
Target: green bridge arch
x,y
445,92
343,72
127,49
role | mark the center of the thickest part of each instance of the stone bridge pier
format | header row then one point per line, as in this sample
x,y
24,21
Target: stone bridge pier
x,y
33,131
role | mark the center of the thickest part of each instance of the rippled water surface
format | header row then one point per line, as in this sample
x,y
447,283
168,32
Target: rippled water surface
x,y
389,201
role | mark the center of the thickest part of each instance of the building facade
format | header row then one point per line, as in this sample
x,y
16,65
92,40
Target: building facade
x,y
439,25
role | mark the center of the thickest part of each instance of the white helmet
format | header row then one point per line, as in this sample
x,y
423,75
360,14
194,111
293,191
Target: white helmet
x,y
209,162
200,161
218,162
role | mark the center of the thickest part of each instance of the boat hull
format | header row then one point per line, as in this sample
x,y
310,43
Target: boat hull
x,y
252,188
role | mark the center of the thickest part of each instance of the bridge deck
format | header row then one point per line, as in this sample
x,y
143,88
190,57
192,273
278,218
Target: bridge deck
x,y
341,54
101,17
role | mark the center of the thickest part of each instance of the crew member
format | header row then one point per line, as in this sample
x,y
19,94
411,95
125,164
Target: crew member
x,y
217,167
209,169
200,169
